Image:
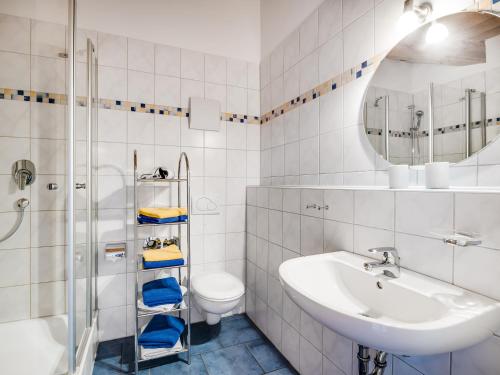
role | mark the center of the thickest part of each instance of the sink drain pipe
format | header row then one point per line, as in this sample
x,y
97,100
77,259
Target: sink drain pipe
x,y
363,360
380,361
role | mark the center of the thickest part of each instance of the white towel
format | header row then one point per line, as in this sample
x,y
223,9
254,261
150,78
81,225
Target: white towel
x,y
162,308
160,352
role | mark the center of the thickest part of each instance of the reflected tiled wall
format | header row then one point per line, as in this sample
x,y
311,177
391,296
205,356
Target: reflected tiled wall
x,y
450,111
280,227
323,141
400,122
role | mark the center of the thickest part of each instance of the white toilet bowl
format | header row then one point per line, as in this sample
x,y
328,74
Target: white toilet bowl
x,y
216,293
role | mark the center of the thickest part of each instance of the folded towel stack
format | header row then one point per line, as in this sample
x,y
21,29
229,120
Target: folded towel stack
x,y
165,307
160,352
163,331
161,292
165,257
151,215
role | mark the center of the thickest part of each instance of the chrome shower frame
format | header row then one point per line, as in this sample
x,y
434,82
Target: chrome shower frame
x,y
431,123
468,120
76,350
386,128
70,176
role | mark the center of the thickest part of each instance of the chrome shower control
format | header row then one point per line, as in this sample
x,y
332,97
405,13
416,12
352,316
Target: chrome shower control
x,y
80,185
24,173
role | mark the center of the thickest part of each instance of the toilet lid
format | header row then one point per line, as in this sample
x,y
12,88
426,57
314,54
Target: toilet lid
x,y
218,286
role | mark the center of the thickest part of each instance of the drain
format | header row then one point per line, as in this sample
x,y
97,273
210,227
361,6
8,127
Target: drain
x,y
379,285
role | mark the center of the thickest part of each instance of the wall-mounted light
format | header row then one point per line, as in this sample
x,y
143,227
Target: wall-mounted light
x,y
413,15
436,33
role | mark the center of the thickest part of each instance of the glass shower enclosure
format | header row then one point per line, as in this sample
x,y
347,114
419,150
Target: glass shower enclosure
x,y
48,168
398,124
81,225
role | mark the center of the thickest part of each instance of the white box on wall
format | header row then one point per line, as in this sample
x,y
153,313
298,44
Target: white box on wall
x,y
204,114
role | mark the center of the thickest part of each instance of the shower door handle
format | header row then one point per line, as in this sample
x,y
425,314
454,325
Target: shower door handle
x,y
467,121
79,186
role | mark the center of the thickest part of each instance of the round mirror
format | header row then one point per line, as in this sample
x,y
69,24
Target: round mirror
x,y
436,94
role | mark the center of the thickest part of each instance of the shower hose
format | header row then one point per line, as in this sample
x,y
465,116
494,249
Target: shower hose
x,y
22,203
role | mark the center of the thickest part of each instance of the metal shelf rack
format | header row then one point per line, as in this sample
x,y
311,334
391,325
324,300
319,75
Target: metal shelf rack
x,y
186,252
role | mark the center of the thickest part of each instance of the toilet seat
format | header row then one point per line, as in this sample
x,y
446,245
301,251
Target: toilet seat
x,y
217,286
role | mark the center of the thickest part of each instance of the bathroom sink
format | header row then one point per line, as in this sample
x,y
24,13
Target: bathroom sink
x,y
412,314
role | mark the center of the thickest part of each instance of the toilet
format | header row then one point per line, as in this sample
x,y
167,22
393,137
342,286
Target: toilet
x,y
216,293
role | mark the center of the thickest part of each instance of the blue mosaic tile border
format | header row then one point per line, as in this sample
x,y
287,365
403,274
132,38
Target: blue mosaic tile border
x,y
121,105
443,130
124,105
324,88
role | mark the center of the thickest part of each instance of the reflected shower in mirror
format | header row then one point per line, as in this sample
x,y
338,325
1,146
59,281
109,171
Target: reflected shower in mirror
x,y
440,95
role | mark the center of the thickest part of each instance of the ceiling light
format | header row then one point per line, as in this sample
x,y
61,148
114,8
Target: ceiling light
x,y
413,16
436,33
408,22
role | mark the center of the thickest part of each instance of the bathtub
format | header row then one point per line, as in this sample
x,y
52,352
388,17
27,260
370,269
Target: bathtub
x,y
38,346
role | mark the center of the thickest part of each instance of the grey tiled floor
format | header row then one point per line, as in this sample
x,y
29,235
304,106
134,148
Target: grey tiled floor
x,y
239,349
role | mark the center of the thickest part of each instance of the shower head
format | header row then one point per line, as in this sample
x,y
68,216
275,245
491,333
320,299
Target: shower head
x,y
419,115
377,100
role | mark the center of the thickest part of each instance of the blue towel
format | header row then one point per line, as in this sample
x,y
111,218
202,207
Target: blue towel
x,y
161,292
164,263
151,220
163,331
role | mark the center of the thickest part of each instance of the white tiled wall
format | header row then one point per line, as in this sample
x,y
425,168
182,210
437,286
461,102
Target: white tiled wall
x,y
223,163
280,227
325,142
32,261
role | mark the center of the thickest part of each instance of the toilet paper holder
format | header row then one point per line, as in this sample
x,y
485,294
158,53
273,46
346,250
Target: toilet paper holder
x,y
115,251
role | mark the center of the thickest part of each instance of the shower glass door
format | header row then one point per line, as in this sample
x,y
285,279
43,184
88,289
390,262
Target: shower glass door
x,y
459,114
85,187
35,311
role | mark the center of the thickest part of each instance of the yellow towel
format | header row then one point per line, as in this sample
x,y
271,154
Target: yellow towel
x,y
167,253
162,213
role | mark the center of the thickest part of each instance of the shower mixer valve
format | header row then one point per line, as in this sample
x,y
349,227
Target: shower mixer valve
x,y
24,173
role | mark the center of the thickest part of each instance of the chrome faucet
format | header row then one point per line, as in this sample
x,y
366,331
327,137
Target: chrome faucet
x,y
389,265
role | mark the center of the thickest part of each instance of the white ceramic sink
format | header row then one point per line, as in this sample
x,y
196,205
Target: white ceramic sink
x,y
413,314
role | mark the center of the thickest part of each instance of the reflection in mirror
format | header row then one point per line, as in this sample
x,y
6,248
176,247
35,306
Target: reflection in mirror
x,y
437,90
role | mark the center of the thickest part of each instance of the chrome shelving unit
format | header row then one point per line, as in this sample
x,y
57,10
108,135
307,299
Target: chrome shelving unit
x,y
186,252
